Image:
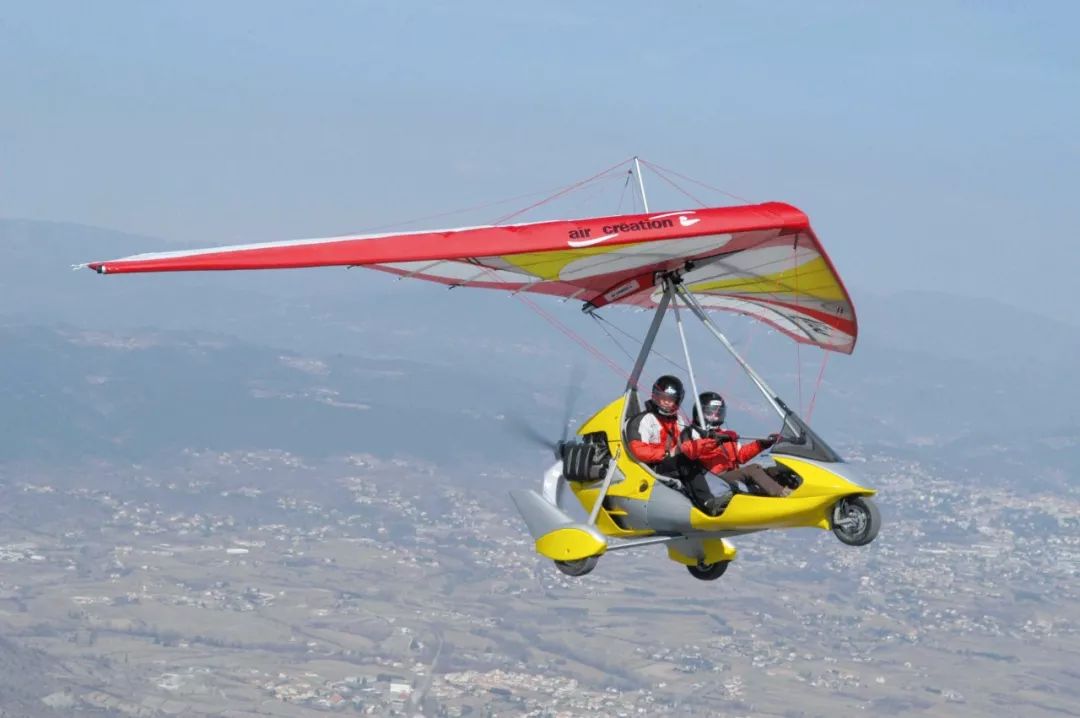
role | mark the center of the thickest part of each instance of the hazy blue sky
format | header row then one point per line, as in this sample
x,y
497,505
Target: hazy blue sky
x,y
934,145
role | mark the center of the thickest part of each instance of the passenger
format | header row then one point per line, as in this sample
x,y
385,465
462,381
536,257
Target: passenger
x,y
654,439
719,451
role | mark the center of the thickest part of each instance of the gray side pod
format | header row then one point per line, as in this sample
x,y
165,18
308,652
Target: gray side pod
x,y
542,517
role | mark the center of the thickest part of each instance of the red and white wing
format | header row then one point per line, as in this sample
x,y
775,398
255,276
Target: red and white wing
x,y
763,261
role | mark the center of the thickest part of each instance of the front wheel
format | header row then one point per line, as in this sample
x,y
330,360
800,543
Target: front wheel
x,y
578,568
708,571
856,520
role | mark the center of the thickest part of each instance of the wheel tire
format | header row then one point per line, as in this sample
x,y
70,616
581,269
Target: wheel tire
x,y
865,515
708,571
579,567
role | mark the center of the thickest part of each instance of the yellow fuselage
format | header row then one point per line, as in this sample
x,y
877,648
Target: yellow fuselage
x,y
807,506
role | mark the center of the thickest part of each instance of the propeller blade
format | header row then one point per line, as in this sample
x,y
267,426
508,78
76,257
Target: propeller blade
x,y
573,392
523,430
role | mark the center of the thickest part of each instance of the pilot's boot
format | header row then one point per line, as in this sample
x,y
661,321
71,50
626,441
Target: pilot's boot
x,y
715,505
698,489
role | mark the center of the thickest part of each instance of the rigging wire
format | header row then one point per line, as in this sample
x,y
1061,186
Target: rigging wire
x,y
798,344
611,336
745,351
560,193
604,320
590,192
654,167
798,372
464,210
817,385
672,183
660,172
622,195
654,352
574,336
536,308
686,354
601,321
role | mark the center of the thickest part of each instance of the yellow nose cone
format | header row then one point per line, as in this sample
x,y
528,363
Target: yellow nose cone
x,y
570,543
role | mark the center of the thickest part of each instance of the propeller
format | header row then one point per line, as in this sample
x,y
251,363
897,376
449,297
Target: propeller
x,y
525,430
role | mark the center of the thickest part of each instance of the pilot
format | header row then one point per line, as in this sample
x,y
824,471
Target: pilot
x,y
654,437
719,451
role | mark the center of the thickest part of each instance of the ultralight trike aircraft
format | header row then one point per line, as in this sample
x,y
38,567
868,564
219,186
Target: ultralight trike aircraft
x,y
759,260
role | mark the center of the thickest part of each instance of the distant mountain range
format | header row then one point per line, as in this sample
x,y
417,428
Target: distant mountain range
x,y
343,360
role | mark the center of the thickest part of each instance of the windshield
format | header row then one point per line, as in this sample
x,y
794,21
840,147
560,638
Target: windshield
x,y
798,439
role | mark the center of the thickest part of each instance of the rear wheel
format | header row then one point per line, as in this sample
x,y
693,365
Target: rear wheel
x,y
577,568
708,571
856,520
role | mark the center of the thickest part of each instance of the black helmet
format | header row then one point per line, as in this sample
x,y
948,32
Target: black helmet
x,y
667,394
715,409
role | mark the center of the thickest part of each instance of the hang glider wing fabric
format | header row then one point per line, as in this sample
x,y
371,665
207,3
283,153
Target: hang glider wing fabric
x,y
760,260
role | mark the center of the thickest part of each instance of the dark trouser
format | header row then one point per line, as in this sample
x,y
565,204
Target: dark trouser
x,y
692,476
754,474
697,487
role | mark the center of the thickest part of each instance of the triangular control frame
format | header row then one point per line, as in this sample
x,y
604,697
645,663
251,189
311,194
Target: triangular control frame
x,y
796,439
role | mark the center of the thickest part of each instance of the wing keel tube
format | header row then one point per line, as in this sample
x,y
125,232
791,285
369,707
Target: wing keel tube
x,y
557,536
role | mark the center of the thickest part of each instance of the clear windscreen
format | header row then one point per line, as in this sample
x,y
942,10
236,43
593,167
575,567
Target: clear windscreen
x,y
798,439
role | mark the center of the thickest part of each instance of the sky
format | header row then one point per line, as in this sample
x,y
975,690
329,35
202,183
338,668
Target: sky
x,y
935,145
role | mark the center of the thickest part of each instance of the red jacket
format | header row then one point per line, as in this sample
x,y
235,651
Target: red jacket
x,y
718,457
652,435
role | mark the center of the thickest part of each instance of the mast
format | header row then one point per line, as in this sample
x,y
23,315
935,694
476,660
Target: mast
x,y
641,184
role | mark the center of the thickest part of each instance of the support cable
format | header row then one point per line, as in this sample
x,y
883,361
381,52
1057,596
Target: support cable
x,y
798,344
636,340
560,193
547,195
611,336
622,195
653,166
689,366
662,176
817,385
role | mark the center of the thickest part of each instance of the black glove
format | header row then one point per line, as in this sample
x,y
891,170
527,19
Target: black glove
x,y
769,440
720,437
